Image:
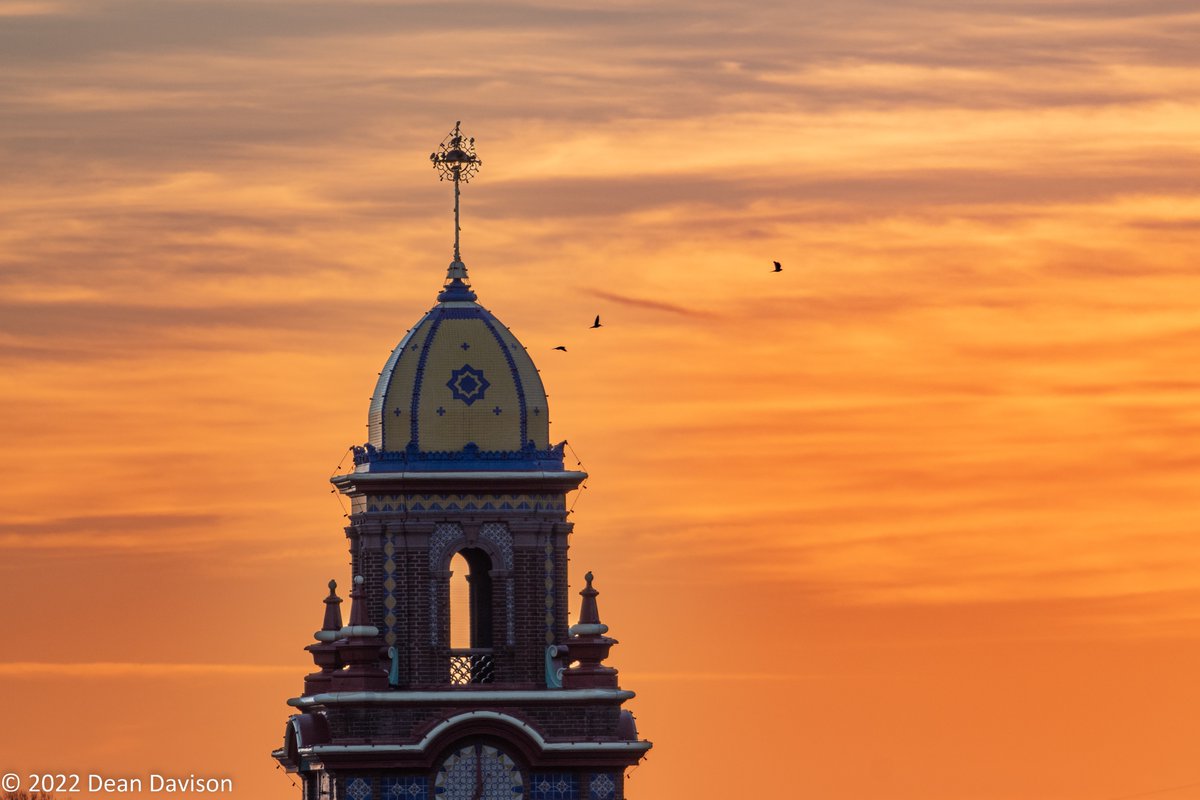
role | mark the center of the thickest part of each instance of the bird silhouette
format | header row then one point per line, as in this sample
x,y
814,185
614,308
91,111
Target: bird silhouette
x,y
560,347
778,267
596,324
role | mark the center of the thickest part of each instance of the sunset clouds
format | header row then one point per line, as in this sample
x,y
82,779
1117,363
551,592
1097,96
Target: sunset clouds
x,y
941,472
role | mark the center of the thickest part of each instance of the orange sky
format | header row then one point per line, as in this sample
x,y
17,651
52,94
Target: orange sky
x,y
915,520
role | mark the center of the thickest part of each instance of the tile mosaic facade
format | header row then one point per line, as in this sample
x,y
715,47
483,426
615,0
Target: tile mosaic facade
x,y
419,503
554,786
439,544
408,787
602,787
479,772
358,789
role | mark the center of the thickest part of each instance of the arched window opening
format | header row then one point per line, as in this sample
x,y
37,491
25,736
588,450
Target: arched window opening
x,y
460,603
479,770
471,617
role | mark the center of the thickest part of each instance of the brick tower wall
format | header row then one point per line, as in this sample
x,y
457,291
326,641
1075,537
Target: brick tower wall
x,y
392,541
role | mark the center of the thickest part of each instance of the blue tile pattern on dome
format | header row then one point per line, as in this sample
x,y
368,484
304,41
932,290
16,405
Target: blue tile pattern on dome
x,y
554,786
468,384
407,787
516,375
428,376
375,416
420,376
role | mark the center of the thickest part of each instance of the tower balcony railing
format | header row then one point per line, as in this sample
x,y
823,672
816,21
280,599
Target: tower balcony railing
x,y
472,665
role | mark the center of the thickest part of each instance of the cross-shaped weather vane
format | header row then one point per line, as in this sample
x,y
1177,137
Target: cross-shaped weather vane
x,y
455,160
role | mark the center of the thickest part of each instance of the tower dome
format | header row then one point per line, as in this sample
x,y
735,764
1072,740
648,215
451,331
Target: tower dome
x,y
458,392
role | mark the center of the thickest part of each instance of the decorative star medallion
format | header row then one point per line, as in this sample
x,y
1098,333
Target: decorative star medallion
x,y
467,384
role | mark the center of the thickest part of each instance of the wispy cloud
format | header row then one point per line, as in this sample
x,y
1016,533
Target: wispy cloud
x,y
705,677
653,305
101,524
100,670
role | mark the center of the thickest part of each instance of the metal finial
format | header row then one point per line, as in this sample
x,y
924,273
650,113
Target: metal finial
x,y
455,160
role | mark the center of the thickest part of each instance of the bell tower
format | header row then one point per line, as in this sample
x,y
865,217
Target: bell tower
x,y
440,688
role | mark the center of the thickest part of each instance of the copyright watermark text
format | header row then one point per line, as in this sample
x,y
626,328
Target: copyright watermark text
x,y
93,784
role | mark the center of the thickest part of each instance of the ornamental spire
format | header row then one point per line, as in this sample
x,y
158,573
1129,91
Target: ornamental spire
x,y
589,611
332,627
359,648
455,160
325,651
589,647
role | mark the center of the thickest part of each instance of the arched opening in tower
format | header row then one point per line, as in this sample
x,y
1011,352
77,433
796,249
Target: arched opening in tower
x,y
471,616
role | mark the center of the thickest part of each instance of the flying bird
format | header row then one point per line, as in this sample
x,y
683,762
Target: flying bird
x,y
778,267
560,347
596,324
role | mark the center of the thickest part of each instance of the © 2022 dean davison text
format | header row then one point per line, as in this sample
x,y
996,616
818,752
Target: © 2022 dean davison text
x,y
93,784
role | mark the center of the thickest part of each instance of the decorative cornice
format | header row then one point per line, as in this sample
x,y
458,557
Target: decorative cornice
x,y
442,727
426,481
368,458
472,696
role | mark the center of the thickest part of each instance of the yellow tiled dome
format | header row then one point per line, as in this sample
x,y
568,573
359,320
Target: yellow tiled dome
x,y
459,391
